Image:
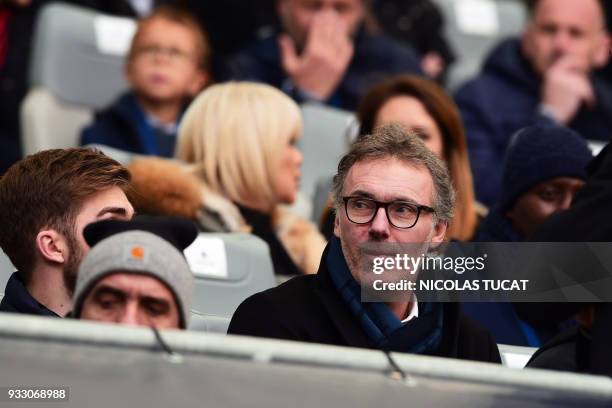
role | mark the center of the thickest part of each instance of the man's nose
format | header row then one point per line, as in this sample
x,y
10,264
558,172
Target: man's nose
x,y
562,42
129,315
380,227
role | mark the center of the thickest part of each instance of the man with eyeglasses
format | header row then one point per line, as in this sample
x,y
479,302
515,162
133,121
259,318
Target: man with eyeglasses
x,y
390,191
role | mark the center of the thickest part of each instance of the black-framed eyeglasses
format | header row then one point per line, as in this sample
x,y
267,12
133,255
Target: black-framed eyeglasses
x,y
401,214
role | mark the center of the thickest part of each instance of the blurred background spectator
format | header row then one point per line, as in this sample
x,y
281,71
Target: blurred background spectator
x,y
544,77
322,53
238,140
168,64
586,347
17,21
544,169
422,106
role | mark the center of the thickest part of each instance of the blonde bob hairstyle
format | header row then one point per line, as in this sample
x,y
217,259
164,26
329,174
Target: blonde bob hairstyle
x,y
234,135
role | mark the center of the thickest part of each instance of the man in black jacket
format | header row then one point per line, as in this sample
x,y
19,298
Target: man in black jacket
x,y
389,190
46,200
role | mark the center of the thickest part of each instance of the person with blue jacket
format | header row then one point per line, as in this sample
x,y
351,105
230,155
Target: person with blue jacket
x,y
323,54
166,67
545,77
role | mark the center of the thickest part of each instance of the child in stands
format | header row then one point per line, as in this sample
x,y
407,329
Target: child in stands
x,y
166,67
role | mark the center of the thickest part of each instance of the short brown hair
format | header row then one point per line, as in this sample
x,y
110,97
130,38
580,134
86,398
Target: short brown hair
x,y
179,15
393,141
47,189
440,106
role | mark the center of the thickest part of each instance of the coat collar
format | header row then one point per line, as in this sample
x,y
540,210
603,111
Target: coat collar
x,y
17,299
350,329
341,316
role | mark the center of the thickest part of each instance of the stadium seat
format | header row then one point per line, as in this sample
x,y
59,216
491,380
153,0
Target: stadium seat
x,y
322,190
209,323
76,67
322,144
473,27
228,268
6,269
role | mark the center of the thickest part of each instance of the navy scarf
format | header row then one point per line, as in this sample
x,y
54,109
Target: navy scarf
x,y
420,336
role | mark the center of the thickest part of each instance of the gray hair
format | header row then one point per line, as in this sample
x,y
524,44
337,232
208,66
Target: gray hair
x,y
393,141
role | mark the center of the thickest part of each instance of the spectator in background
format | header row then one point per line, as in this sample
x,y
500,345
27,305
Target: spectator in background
x,y
420,105
238,141
322,54
46,200
136,273
390,189
544,168
167,66
585,347
17,20
545,77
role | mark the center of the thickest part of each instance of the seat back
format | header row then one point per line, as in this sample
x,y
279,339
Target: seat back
x,y
6,270
76,67
322,191
48,123
209,323
228,268
323,143
473,27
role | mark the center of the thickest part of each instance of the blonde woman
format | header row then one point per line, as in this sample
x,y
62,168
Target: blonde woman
x,y
241,165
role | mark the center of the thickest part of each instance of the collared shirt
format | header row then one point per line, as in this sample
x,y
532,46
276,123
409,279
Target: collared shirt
x,y
414,310
164,135
17,299
168,128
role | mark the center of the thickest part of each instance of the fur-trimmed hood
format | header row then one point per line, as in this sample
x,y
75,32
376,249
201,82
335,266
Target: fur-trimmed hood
x,y
167,187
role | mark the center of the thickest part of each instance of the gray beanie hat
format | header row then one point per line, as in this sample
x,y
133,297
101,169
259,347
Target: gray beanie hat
x,y
140,252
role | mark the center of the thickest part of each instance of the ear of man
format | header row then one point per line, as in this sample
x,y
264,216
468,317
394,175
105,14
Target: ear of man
x,y
52,246
439,232
602,53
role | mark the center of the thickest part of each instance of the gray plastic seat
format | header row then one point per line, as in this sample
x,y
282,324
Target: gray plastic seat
x,y
76,67
228,268
6,270
323,143
473,27
209,323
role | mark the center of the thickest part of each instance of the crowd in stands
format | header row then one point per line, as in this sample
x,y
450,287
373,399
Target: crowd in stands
x,y
214,123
